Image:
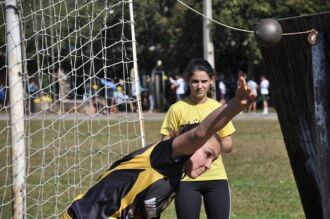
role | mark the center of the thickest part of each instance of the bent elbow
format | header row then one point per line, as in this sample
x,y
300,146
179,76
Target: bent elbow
x,y
226,149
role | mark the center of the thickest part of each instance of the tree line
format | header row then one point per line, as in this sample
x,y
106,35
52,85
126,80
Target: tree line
x,y
165,29
169,31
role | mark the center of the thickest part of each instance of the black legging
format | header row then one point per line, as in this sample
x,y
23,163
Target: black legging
x,y
216,197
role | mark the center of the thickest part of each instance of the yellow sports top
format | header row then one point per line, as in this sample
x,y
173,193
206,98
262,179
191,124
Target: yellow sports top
x,y
185,112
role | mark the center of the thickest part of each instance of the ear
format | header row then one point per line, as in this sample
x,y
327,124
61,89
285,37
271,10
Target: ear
x,y
212,80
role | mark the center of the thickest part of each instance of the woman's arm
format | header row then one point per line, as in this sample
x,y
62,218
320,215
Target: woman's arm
x,y
192,140
227,144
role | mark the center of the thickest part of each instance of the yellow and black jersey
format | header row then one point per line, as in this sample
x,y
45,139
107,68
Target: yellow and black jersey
x,y
139,185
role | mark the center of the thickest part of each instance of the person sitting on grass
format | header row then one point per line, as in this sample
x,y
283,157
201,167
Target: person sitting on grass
x,y
143,183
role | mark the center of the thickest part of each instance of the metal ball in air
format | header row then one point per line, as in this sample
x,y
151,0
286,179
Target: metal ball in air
x,y
267,32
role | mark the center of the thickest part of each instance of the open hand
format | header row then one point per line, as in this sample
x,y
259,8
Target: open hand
x,y
244,96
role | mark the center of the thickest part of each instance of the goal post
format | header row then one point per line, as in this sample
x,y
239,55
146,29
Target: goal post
x,y
16,111
135,68
68,110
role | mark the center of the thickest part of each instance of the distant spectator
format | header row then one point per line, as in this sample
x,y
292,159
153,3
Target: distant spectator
x,y
134,94
171,90
245,77
222,89
95,92
150,94
2,95
110,88
254,88
158,77
33,91
180,87
63,83
173,85
109,85
144,97
232,84
92,91
121,99
264,91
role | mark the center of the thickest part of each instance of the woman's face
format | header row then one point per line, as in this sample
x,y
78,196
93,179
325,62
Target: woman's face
x,y
199,83
202,159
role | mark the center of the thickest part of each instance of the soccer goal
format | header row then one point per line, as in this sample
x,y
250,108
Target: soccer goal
x,y
69,104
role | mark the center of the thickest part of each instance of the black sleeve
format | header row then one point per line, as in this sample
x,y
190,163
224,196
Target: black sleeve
x,y
163,161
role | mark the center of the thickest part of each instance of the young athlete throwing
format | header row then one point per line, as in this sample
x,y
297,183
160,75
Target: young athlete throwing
x,y
142,184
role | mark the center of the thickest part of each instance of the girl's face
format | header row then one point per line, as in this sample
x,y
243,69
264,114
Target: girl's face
x,y
202,159
199,83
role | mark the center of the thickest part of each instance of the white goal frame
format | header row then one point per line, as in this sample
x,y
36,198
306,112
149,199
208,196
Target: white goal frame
x,y
62,121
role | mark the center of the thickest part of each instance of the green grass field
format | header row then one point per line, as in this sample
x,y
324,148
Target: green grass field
x,y
259,172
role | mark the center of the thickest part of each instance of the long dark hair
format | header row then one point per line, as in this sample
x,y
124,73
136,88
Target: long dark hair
x,y
198,64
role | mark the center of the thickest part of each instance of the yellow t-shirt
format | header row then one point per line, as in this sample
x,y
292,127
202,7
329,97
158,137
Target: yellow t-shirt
x,y
185,112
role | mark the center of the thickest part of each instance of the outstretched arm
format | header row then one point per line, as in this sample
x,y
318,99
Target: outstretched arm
x,y
192,140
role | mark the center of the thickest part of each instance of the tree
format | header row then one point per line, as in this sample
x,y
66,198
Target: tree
x,y
175,32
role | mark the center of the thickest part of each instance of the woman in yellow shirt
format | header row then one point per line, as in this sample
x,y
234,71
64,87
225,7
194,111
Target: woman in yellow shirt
x,y
213,185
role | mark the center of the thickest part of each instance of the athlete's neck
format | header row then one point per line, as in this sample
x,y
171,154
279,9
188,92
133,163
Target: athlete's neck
x,y
198,100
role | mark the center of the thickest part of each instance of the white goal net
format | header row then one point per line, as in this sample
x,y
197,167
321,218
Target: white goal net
x,y
68,105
